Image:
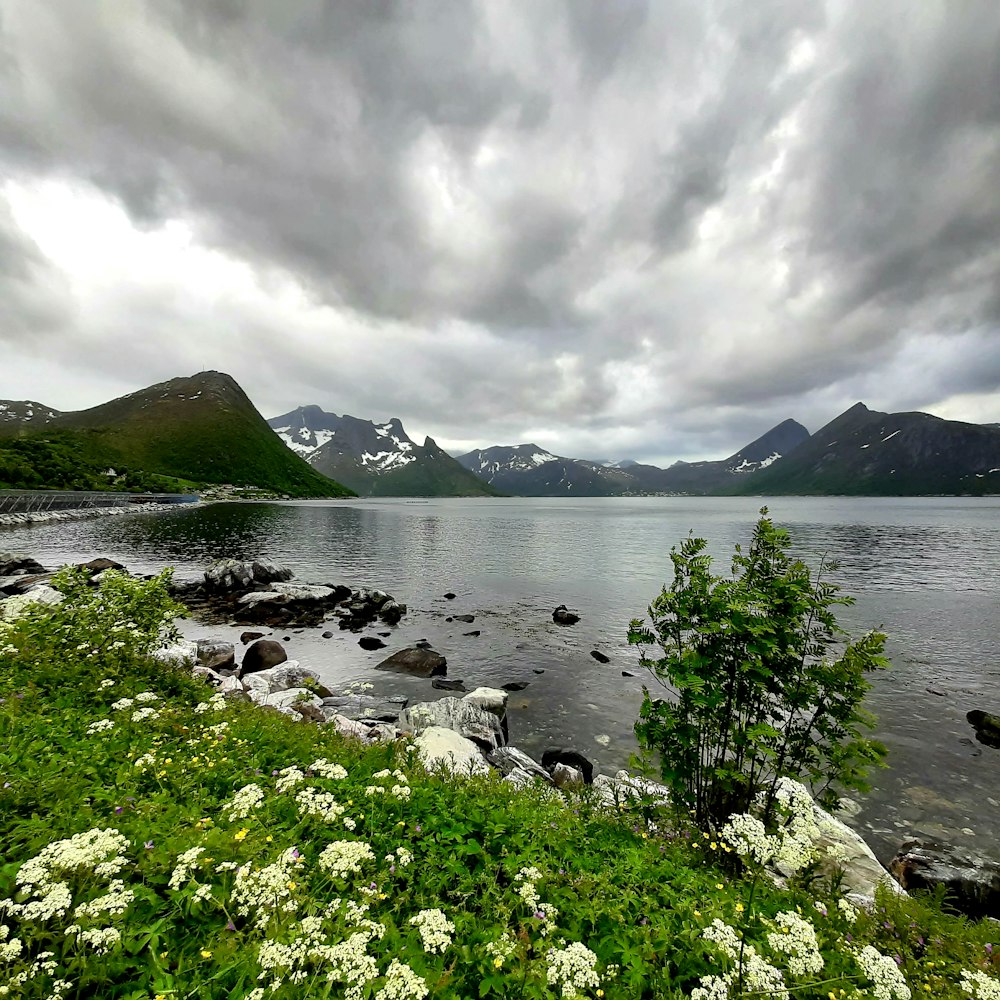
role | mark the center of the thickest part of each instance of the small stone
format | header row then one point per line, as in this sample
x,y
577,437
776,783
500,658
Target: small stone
x,y
514,685
449,596
562,616
599,656
465,619
371,642
445,684
626,673
327,635
475,632
538,670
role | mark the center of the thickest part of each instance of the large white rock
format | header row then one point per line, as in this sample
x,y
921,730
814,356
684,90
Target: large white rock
x,y
624,788
14,607
293,696
182,653
444,748
284,676
465,718
280,593
489,699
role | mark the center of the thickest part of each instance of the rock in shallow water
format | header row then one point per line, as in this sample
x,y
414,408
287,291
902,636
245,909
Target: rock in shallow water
x,y
562,616
263,654
465,718
972,882
415,661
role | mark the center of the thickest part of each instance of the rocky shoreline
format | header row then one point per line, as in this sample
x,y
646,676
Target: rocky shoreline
x,y
466,735
80,513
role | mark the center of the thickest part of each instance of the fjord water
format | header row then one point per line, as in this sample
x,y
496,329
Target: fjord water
x,y
925,569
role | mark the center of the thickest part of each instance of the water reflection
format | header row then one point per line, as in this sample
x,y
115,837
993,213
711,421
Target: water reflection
x,y
927,570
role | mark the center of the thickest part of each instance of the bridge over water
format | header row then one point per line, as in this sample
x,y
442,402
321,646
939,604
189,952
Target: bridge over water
x,y
37,501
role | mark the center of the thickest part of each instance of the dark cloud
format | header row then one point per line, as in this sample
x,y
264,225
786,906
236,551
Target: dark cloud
x,y
655,225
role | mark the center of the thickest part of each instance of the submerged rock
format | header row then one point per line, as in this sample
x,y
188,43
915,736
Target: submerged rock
x,y
562,616
987,727
443,684
416,661
371,642
599,656
362,706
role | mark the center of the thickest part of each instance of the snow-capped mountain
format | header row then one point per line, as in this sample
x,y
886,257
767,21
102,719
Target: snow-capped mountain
x,y
374,459
25,412
527,470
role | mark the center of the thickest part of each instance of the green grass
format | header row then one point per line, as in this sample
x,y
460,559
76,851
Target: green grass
x,y
637,896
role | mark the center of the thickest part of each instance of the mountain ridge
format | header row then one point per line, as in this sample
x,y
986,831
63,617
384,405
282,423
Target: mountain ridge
x,y
374,459
199,429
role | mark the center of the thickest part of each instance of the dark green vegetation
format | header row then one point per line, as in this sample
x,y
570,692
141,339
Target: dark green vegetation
x,y
201,429
173,890
71,460
867,453
753,696
375,459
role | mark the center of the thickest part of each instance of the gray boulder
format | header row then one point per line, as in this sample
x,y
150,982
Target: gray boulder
x,y
14,607
292,697
182,653
363,706
987,727
560,755
216,654
510,759
972,882
236,574
262,654
564,776
458,715
562,616
415,661
489,699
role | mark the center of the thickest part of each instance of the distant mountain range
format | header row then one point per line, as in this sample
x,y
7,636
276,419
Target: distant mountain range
x,y
374,459
527,470
190,432
183,433
866,453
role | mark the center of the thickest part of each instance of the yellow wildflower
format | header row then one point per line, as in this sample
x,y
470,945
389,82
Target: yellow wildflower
x,y
205,953
241,834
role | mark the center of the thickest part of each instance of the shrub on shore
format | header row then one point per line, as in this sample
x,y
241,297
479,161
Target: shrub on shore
x,y
159,841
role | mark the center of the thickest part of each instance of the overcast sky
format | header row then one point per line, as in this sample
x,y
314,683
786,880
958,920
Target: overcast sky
x,y
613,228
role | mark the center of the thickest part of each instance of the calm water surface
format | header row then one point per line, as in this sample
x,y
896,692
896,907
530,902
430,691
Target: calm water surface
x,y
927,570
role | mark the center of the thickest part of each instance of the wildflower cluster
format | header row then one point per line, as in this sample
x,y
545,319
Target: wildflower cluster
x,y
345,857
796,938
886,979
757,975
435,929
980,986
572,968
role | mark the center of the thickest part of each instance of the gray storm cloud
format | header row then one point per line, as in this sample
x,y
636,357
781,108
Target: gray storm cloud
x,y
651,229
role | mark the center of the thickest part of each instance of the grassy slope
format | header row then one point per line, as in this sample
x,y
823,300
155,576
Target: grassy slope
x,y
638,898
202,428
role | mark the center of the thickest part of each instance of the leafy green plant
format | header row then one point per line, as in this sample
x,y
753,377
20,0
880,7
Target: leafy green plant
x,y
754,693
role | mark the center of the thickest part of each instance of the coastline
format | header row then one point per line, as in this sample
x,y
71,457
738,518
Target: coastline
x,y
81,513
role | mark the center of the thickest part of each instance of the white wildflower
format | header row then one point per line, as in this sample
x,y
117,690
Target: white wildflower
x,y
501,949
980,986
288,778
101,726
145,713
147,696
748,836
435,929
314,802
886,979
572,968
400,791
402,983
115,902
244,802
848,909
122,704
107,683
796,938
345,857
325,769
186,863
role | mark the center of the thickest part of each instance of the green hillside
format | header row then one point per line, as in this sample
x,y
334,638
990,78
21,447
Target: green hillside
x,y
201,429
